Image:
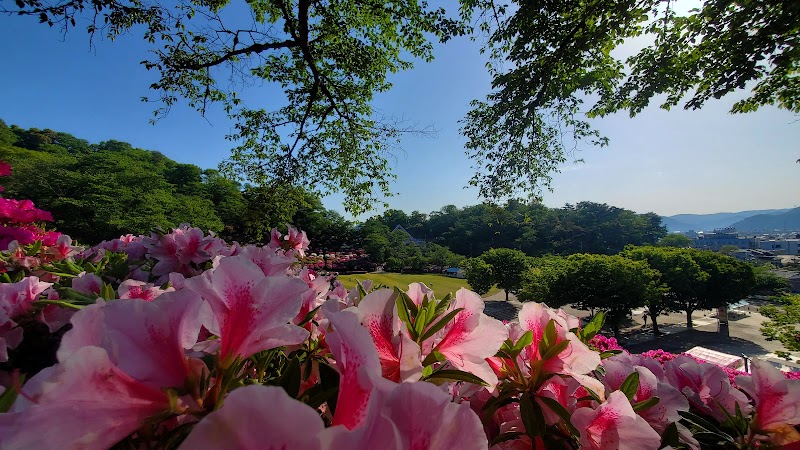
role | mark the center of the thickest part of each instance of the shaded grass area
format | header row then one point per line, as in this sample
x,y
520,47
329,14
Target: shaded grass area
x,y
440,284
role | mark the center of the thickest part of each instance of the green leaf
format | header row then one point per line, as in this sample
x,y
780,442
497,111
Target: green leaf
x,y
670,436
630,385
291,377
532,416
309,316
550,334
443,304
433,357
525,340
609,353
562,412
108,292
439,324
555,350
644,404
708,428
455,375
8,397
361,291
324,395
60,303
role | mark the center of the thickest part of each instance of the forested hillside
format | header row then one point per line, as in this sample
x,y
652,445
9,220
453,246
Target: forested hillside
x,y
100,191
535,229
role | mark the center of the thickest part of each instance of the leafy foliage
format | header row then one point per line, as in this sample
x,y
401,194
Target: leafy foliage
x,y
327,58
101,191
613,284
784,321
548,58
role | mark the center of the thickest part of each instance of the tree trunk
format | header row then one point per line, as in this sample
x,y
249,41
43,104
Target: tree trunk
x,y
689,324
506,290
615,327
655,324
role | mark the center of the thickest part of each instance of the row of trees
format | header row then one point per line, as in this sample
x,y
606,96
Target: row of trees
x,y
661,279
530,227
101,191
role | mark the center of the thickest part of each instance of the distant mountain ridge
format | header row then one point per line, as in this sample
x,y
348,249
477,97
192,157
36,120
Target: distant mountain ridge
x,y
708,222
787,221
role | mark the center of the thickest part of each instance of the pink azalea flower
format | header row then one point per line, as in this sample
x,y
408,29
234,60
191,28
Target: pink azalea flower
x,y
297,241
356,359
129,289
269,261
146,340
777,399
663,413
5,169
63,248
577,359
84,402
565,391
417,292
372,412
249,311
55,316
425,418
614,426
189,242
87,283
706,386
164,249
470,338
399,355
255,418
17,298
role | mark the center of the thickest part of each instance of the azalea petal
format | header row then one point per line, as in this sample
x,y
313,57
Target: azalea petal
x,y
417,292
258,418
427,419
358,365
777,399
251,312
83,403
471,336
614,426
144,339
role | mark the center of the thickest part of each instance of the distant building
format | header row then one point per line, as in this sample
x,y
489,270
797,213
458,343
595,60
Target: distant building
x,y
779,246
456,272
411,239
720,238
756,255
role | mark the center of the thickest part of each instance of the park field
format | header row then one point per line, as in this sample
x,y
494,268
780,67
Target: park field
x,y
440,284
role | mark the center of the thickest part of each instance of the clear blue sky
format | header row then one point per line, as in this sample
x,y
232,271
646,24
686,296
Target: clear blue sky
x,y
667,162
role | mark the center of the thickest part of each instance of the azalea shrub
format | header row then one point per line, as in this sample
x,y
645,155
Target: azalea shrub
x,y
182,340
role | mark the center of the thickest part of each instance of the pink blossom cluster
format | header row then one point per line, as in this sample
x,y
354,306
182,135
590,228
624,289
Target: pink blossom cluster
x,y
604,343
203,345
19,220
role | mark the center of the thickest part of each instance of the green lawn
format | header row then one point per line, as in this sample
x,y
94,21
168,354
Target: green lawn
x,y
440,284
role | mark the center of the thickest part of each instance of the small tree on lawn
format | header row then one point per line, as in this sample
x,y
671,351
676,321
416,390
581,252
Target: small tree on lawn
x,y
507,265
613,284
479,275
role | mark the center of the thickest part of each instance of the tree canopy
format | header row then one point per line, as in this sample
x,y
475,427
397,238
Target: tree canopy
x,y
329,59
547,59
101,191
610,283
784,321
